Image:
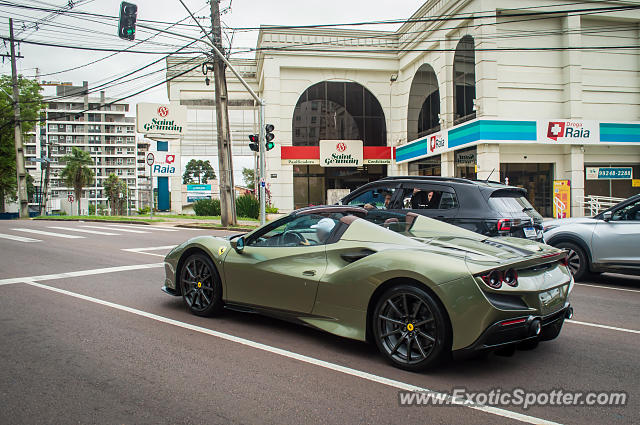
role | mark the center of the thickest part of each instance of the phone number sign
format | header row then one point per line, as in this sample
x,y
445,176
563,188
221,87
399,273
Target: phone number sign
x,y
609,173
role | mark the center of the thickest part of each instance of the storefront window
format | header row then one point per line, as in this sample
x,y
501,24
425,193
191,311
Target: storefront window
x,y
537,178
426,167
612,188
333,110
465,163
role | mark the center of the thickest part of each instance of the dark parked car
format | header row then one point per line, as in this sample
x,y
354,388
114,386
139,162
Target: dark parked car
x,y
485,207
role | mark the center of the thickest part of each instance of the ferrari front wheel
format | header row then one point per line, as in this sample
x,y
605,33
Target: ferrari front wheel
x,y
410,328
200,285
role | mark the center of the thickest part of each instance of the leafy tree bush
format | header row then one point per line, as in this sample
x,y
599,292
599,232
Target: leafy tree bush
x,y
247,206
207,207
144,210
271,209
198,171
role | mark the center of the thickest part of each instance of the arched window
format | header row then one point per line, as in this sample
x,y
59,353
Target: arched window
x,y
464,79
424,103
343,110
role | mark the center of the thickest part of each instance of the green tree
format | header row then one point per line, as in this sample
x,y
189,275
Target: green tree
x,y
198,171
30,106
117,191
76,172
249,177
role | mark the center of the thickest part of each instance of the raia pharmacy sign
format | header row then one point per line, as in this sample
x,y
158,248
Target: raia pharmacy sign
x,y
165,120
341,153
165,165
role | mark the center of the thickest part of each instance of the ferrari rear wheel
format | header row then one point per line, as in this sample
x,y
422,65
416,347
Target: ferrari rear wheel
x,y
410,328
201,287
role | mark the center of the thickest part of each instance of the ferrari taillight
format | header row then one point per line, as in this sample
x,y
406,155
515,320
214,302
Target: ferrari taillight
x,y
496,278
493,279
511,277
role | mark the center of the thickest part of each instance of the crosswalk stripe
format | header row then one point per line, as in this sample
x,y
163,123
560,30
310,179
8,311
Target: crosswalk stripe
x,y
111,228
42,232
95,232
18,238
137,226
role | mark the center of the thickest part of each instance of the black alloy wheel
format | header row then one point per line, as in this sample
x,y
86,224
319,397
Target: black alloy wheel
x,y
410,328
200,285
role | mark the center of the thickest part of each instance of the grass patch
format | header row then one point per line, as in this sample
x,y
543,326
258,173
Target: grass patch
x,y
197,217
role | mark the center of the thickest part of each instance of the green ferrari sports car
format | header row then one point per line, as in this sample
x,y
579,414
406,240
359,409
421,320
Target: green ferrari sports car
x,y
418,288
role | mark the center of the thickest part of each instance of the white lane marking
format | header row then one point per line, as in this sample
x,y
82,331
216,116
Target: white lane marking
x,y
80,273
110,228
72,229
153,248
301,357
18,238
596,325
139,226
607,287
42,232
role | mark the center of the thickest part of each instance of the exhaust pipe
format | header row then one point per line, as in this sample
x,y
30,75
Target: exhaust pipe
x,y
535,327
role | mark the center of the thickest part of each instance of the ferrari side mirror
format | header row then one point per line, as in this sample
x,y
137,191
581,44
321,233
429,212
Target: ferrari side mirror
x,y
607,216
238,244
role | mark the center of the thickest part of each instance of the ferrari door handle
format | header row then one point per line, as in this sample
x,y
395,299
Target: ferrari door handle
x,y
309,272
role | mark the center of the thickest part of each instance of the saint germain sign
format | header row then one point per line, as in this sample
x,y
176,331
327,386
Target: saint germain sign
x,y
341,153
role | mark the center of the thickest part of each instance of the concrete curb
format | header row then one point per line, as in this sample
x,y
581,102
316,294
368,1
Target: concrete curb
x,y
93,220
199,226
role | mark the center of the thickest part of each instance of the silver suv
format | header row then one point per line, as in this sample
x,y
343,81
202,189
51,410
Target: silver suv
x,y
608,242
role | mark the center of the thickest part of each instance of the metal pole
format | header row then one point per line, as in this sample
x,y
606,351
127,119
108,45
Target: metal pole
x,y
263,152
151,185
21,173
95,212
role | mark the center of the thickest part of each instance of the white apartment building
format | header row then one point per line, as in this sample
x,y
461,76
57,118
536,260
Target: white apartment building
x,y
497,92
75,119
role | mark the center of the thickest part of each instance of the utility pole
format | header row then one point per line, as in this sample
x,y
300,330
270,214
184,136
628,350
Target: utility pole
x,y
225,164
20,168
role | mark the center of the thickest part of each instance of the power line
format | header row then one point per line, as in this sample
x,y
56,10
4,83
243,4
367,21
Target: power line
x,y
97,49
115,53
452,17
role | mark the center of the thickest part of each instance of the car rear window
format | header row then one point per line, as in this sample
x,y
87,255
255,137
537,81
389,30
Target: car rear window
x,y
510,202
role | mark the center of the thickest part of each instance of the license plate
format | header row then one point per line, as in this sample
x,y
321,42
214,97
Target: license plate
x,y
530,232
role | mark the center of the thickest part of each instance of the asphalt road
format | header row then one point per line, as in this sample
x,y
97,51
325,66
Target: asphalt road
x,y
86,336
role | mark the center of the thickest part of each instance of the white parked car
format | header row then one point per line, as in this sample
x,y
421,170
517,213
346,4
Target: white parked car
x,y
608,242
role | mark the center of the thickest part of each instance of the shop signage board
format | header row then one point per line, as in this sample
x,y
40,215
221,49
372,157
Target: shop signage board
x,y
562,198
165,165
568,131
196,192
161,119
609,173
635,183
341,153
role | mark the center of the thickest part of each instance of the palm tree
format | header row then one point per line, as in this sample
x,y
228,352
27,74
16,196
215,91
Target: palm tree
x,y
77,173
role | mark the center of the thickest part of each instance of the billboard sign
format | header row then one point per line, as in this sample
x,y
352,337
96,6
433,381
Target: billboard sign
x,y
609,173
341,153
156,118
165,165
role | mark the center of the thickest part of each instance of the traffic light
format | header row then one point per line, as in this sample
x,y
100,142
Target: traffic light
x,y
269,136
255,143
127,25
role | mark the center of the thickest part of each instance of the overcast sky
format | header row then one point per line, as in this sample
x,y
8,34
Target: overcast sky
x,y
97,32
